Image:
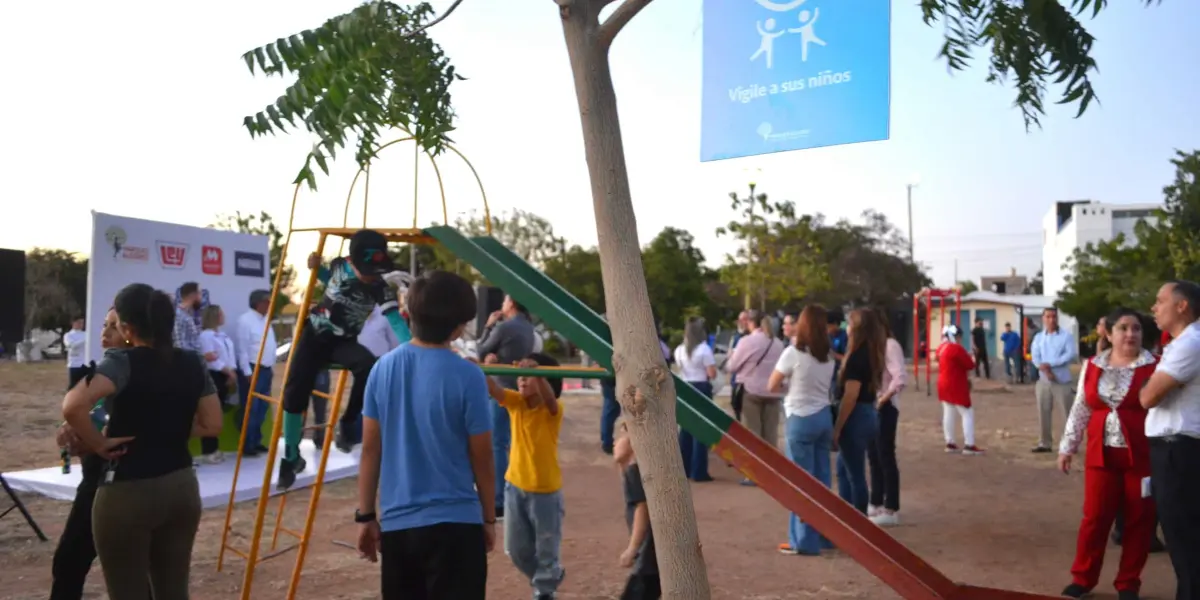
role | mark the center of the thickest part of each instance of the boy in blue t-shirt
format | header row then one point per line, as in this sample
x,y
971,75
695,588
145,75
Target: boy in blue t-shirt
x,y
354,286
427,454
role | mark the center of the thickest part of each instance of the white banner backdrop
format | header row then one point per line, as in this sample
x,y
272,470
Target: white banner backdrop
x,y
226,265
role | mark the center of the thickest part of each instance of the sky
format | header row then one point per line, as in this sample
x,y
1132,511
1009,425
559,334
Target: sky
x,y
135,108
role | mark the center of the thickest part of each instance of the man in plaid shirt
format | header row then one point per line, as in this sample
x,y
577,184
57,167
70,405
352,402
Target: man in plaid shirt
x,y
187,332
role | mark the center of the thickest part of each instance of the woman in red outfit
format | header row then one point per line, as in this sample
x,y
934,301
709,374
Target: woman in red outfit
x,y
954,390
1117,459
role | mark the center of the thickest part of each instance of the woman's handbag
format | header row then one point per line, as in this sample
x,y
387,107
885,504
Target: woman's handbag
x,y
738,394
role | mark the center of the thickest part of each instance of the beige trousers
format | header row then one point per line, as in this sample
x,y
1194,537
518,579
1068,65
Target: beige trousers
x,y
761,415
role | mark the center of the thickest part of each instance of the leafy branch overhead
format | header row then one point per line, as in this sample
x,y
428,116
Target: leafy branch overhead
x,y
1032,42
358,75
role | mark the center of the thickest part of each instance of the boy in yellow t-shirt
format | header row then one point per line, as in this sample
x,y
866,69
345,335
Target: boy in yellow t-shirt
x,y
533,500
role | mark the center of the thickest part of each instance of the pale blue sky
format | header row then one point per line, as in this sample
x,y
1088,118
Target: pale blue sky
x,y
135,108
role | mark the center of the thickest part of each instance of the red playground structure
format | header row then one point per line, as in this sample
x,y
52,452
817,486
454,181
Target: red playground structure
x,y
919,343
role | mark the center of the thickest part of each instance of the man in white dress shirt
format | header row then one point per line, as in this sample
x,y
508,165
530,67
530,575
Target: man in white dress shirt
x,y
1173,429
75,346
248,336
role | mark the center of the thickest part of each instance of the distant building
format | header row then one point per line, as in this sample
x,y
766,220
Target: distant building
x,y
1006,285
1075,224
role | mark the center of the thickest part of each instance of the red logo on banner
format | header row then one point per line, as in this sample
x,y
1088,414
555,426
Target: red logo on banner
x,y
172,255
211,260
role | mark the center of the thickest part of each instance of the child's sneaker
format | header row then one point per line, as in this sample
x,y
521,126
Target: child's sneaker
x,y
786,548
886,519
951,448
1076,591
215,458
972,450
873,510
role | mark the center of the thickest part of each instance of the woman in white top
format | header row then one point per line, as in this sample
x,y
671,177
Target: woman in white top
x,y
885,473
697,366
808,368
217,349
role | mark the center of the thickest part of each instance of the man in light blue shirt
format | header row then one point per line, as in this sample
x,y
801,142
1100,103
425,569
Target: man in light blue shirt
x,y
1053,352
427,455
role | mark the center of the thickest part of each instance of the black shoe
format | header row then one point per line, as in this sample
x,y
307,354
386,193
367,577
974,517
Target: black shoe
x,y
1127,595
287,472
499,513
261,449
251,452
1157,546
606,448
1041,450
545,597
1076,591
1116,539
319,444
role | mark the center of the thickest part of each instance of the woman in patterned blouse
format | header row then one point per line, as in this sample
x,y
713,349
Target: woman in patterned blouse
x,y
1117,459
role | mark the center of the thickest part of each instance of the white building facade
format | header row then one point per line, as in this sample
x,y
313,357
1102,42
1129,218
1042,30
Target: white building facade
x,y
1074,224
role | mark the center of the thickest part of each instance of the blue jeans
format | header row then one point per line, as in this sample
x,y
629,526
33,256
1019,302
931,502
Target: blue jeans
x,y
501,442
809,440
1010,363
533,536
609,413
695,453
258,408
861,426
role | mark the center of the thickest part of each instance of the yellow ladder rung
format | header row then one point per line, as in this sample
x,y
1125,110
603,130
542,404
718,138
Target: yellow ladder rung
x,y
320,394
324,426
264,397
236,551
291,532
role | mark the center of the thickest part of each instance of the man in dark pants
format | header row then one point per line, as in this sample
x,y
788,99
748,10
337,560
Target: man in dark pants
x,y
1173,430
610,411
979,347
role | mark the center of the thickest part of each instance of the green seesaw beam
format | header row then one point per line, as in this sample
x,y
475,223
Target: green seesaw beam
x,y
548,372
910,576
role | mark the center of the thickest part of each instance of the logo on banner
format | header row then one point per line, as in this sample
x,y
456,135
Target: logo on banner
x,y
116,237
172,255
781,75
210,260
249,264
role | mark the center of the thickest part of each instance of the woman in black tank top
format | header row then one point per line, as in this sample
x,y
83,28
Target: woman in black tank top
x,y
157,397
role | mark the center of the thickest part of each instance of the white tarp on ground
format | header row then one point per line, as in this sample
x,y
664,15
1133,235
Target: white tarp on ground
x,y
215,480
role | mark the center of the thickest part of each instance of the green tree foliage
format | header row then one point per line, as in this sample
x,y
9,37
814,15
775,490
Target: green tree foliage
x,y
55,289
778,258
577,270
528,235
1128,272
1028,42
867,262
358,75
967,286
676,277
263,224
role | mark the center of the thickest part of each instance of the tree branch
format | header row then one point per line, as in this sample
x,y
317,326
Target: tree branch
x,y
435,21
620,17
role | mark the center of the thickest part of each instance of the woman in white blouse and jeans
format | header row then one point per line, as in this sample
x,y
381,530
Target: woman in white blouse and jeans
x,y
808,367
1117,460
697,366
217,349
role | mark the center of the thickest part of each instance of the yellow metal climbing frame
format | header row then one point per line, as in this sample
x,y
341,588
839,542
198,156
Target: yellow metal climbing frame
x,y
254,554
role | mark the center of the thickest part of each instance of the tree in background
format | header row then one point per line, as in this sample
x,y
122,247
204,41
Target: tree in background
x,y
55,289
263,224
778,261
528,235
577,270
1128,272
867,263
1037,285
967,286
675,277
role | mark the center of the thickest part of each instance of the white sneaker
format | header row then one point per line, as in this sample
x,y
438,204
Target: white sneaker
x,y
215,458
873,510
886,519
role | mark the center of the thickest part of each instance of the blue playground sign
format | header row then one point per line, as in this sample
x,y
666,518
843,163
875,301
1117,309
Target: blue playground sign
x,y
793,74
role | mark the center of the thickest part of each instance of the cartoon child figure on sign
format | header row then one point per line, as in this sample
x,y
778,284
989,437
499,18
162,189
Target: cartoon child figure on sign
x,y
766,29
807,36
115,236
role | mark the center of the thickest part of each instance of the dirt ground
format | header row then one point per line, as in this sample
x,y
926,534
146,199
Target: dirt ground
x,y
1007,519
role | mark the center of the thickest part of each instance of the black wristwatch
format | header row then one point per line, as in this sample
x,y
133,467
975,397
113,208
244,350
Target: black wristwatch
x,y
364,518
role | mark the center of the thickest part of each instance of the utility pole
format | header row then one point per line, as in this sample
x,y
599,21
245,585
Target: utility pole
x,y
753,250
911,256
956,272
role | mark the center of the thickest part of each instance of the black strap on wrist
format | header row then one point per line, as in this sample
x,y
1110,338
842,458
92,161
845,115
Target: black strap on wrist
x,y
364,517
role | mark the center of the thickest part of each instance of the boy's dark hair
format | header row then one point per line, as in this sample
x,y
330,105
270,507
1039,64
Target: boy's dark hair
x,y
834,317
77,318
150,313
438,303
188,289
543,360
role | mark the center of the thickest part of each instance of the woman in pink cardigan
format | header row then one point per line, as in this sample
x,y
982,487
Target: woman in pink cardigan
x,y
885,473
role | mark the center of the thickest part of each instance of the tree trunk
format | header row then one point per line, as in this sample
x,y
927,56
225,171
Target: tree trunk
x,y
646,389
